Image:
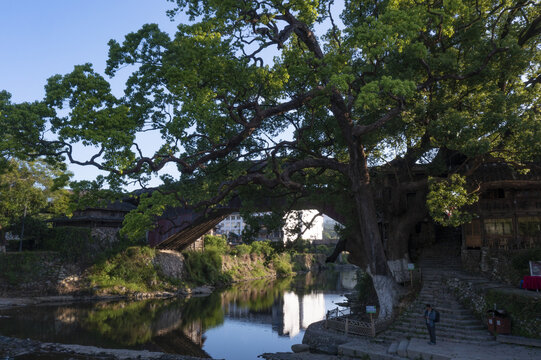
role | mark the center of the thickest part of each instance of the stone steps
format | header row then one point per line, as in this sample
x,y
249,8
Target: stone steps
x,y
457,324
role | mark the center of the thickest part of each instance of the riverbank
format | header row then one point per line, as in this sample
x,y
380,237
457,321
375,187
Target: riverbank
x,y
240,322
141,272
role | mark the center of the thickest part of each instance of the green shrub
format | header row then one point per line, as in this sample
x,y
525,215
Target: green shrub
x,y
282,264
524,311
262,248
365,288
35,231
242,249
204,267
217,243
322,249
73,243
521,261
131,270
21,267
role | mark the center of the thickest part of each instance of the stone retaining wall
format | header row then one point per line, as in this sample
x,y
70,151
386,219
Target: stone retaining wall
x,y
524,311
493,263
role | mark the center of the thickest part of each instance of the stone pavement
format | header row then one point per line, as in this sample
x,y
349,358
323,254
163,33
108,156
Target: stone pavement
x,y
417,349
420,349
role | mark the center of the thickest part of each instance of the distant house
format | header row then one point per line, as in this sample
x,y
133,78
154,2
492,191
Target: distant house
x,y
507,223
104,222
508,212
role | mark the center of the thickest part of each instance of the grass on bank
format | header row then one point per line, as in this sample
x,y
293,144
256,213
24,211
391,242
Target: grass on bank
x,y
129,268
128,271
244,261
24,267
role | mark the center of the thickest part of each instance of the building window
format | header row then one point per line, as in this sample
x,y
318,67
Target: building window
x,y
529,226
499,226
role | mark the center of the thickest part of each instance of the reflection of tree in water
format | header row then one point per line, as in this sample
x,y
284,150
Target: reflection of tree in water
x,y
257,295
159,324
207,310
129,323
316,281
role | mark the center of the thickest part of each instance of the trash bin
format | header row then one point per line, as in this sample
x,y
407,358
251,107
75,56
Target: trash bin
x,y
491,322
499,322
503,322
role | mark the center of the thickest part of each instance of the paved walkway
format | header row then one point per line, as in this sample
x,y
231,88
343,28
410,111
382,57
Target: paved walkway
x,y
420,349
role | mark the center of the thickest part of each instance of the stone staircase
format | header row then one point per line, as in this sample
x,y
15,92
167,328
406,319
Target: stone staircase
x,y
459,334
457,324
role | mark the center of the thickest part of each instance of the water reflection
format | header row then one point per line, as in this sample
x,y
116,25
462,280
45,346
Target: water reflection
x,y
240,322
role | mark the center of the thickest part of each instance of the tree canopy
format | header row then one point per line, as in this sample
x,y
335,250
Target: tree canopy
x,y
283,99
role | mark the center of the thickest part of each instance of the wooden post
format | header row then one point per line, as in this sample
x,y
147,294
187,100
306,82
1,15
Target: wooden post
x,y
372,326
346,329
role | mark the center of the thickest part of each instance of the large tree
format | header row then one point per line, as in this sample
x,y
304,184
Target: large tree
x,y
249,99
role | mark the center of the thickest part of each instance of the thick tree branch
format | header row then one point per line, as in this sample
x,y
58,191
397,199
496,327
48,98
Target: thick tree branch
x,y
359,130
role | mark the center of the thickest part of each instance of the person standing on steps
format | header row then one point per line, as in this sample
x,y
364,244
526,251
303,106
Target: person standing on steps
x,y
430,317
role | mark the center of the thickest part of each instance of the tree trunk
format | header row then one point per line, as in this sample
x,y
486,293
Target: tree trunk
x,y
388,294
373,255
366,247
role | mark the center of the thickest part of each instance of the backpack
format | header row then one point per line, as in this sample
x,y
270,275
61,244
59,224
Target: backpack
x,y
437,317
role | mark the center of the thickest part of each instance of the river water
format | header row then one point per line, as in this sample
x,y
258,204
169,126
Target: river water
x,y
240,322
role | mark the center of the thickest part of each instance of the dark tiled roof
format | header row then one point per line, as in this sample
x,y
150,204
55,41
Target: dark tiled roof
x,y
502,172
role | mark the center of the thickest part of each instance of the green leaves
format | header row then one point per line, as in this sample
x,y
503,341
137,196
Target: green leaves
x,y
372,95
447,199
31,188
96,117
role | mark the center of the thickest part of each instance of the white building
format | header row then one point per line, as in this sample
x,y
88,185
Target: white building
x,y
306,222
233,224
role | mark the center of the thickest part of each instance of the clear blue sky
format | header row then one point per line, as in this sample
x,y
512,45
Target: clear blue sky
x,y
40,38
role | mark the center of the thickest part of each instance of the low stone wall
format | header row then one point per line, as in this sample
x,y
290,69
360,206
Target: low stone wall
x,y
321,339
524,310
494,263
170,262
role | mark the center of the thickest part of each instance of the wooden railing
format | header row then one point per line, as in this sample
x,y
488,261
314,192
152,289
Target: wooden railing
x,y
340,320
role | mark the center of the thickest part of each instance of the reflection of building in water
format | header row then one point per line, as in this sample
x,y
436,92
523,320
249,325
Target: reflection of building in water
x,y
293,313
313,309
289,314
